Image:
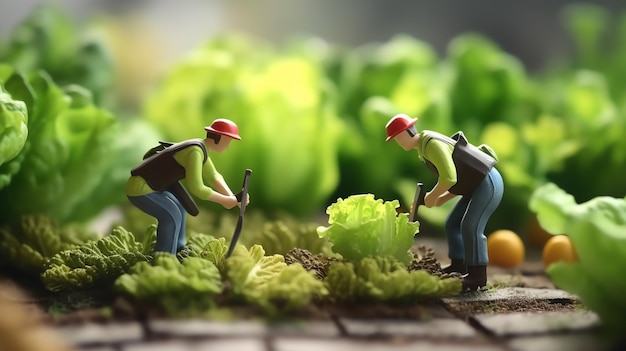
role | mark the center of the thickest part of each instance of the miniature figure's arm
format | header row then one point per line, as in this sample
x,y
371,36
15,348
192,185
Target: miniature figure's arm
x,y
440,154
192,158
218,182
442,199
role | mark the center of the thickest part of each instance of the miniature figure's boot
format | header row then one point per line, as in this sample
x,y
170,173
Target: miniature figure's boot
x,y
456,266
476,277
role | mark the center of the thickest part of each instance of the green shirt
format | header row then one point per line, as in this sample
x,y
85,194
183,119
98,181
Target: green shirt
x,y
191,159
439,153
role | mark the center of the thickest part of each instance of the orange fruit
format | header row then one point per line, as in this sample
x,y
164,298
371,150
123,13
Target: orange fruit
x,y
559,248
505,248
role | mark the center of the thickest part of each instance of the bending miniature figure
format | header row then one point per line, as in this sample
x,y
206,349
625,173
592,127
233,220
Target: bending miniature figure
x,y
154,186
461,169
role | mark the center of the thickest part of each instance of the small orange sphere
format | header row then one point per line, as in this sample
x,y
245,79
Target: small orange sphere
x,y
505,248
559,248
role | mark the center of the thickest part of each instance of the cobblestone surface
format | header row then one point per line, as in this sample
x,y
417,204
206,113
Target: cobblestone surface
x,y
498,331
572,330
436,328
523,323
102,334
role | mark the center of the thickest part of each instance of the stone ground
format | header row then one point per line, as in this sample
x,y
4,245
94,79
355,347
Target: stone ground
x,y
521,310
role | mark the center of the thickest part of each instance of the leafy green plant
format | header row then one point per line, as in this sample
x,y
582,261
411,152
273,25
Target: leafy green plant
x,y
597,229
215,251
385,279
362,226
196,242
280,236
66,132
49,40
37,239
96,263
14,130
374,82
179,287
268,282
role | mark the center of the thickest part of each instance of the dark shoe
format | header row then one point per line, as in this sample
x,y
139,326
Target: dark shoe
x,y
476,278
456,266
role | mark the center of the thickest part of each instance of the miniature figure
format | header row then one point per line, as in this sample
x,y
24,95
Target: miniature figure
x,y
155,188
462,169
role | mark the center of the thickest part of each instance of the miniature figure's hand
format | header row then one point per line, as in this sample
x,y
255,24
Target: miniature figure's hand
x,y
430,199
247,200
230,201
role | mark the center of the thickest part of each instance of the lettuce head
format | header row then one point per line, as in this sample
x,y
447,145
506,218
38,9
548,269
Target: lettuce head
x,y
597,229
362,226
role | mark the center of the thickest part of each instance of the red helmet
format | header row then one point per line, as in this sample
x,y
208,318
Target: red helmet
x,y
398,124
225,127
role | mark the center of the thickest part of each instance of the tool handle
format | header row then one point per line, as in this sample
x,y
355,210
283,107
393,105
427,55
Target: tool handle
x,y
417,201
244,191
242,210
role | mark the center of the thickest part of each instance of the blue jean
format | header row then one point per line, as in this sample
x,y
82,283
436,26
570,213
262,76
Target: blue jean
x,y
465,226
171,217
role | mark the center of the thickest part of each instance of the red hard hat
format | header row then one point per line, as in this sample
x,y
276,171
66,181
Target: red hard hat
x,y
225,127
398,124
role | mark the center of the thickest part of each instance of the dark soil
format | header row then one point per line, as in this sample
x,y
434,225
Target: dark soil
x,y
466,309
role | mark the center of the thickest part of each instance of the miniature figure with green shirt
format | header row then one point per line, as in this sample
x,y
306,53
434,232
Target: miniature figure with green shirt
x,y
461,169
155,187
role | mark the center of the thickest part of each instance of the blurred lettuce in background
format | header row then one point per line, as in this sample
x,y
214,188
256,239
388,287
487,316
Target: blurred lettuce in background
x,y
284,107
62,154
49,40
312,115
597,229
13,120
69,150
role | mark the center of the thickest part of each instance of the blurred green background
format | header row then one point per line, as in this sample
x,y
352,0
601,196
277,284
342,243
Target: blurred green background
x,y
311,85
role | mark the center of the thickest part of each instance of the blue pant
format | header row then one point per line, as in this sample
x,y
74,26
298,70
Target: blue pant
x,y
465,226
171,217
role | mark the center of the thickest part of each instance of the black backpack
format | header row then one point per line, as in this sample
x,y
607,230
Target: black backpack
x,y
472,163
162,172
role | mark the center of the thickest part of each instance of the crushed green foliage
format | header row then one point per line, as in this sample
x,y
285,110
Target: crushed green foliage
x,y
38,238
195,245
268,282
180,288
95,263
280,236
385,279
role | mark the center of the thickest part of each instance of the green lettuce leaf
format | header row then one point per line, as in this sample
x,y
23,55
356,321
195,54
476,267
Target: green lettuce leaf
x,y
280,236
74,156
178,287
96,263
13,126
385,279
48,40
597,229
361,226
196,242
267,281
215,251
37,239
